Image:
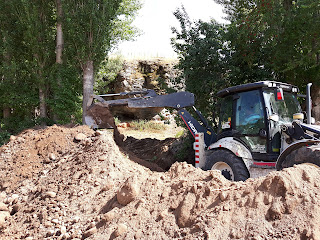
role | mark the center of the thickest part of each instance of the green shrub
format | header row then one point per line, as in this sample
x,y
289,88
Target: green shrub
x,y
4,137
185,147
108,71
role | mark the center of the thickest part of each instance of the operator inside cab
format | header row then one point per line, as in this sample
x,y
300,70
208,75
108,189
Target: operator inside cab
x,y
248,119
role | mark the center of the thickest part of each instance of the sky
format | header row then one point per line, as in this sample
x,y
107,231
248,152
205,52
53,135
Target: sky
x,y
155,20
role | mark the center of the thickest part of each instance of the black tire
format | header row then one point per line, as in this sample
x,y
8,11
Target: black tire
x,y
231,166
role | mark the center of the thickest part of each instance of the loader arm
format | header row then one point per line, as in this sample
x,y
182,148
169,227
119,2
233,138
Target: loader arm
x,y
149,99
195,127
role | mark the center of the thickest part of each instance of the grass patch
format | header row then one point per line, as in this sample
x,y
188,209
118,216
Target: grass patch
x,y
143,125
180,134
116,121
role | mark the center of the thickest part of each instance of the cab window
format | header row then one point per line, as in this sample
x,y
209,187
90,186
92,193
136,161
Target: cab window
x,y
249,114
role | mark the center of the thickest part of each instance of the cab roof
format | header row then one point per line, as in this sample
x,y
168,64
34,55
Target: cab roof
x,y
257,85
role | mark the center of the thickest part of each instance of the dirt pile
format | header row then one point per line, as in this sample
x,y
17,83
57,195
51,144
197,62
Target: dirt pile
x,y
81,185
26,155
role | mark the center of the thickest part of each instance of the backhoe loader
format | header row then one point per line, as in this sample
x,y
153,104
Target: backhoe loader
x,y
261,126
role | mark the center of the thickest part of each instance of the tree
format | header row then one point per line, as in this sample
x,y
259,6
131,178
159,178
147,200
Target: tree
x,y
90,33
36,18
59,36
27,32
202,57
280,36
37,79
265,40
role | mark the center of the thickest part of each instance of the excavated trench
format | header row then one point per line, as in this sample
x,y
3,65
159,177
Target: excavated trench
x,y
162,153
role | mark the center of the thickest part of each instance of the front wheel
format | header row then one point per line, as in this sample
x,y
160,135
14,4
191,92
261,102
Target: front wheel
x,y
231,166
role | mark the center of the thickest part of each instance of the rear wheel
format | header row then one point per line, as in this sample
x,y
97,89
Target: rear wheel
x,y
231,166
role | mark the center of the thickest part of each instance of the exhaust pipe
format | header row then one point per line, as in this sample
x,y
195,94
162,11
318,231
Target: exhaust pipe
x,y
308,103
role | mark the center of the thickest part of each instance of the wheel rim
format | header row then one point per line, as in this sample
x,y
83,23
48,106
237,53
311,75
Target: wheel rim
x,y
225,169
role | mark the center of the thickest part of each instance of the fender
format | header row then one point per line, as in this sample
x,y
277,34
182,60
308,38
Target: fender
x,y
236,147
291,148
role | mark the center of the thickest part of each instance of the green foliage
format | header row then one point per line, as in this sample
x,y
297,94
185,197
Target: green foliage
x,y
87,28
265,40
185,147
281,37
92,28
28,58
16,124
4,137
116,121
65,100
27,54
180,133
122,30
108,71
202,57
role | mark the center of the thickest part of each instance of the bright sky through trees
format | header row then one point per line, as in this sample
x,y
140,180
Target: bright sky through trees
x,y
156,18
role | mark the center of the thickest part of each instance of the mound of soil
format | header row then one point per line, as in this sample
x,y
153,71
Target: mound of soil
x,y
74,183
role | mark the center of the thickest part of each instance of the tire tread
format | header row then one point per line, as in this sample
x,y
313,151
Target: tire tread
x,y
237,165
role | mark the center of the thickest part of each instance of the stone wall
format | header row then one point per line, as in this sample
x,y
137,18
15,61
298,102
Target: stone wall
x,y
143,74
140,74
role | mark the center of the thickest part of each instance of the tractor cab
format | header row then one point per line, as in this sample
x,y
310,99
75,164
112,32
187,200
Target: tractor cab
x,y
253,114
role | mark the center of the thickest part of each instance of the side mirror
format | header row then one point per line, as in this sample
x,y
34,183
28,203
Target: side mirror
x,y
274,117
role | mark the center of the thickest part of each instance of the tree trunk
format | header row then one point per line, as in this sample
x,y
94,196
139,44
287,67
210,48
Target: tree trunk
x,y
59,43
6,112
315,93
42,100
59,50
88,81
287,4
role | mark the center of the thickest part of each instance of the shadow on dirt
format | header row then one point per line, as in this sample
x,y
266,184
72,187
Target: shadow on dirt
x,y
160,153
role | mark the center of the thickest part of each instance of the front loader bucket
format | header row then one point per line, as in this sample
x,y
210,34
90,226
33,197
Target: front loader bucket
x,y
99,116
303,151
176,100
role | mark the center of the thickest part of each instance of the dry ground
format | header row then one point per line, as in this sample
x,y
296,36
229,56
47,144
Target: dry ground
x,y
74,183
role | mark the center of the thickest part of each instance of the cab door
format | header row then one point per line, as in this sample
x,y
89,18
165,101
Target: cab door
x,y
250,120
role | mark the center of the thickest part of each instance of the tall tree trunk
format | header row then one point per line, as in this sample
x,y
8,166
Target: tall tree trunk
x,y
59,43
59,49
42,100
6,110
88,80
